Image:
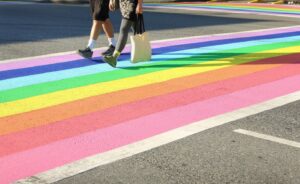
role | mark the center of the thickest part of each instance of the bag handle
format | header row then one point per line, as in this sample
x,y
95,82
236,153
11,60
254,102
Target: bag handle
x,y
139,27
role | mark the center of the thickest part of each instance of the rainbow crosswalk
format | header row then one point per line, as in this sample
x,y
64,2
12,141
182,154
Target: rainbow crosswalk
x,y
252,8
58,109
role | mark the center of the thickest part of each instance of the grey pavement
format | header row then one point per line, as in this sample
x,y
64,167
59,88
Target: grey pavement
x,y
37,29
218,155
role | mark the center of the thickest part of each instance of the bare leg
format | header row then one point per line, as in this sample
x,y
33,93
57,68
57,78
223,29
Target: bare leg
x,y
96,29
109,31
108,28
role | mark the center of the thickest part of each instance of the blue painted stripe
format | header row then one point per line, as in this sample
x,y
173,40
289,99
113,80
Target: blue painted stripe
x,y
83,62
53,76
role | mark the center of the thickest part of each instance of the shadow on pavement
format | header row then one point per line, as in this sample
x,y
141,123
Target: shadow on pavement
x,y
223,59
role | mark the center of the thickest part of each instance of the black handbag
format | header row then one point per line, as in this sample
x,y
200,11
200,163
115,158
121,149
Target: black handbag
x,y
139,26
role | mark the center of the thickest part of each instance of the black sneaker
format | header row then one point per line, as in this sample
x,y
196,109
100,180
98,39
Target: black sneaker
x,y
86,53
109,51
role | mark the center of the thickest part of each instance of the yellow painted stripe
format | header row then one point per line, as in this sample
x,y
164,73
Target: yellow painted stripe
x,y
60,97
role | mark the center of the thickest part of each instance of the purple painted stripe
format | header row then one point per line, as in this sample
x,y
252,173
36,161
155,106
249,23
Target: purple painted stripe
x,y
81,63
70,57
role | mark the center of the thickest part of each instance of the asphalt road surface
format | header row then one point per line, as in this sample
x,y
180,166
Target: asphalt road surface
x,y
217,155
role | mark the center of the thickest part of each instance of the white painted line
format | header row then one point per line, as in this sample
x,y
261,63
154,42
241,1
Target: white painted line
x,y
37,57
223,11
224,34
14,2
156,41
268,138
41,3
91,162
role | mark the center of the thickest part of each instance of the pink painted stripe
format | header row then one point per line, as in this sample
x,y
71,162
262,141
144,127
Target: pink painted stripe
x,y
43,158
71,57
13,143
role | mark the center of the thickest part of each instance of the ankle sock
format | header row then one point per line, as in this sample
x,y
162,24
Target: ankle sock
x,y
112,41
91,44
116,54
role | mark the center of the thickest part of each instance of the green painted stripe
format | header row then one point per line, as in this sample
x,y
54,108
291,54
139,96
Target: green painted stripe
x,y
44,88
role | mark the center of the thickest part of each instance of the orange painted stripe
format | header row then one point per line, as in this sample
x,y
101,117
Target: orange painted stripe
x,y
112,117
53,114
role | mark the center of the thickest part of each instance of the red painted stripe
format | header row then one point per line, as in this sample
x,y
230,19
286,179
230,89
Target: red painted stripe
x,y
46,157
61,130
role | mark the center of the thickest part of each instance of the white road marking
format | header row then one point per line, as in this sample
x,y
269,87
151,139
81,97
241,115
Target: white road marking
x,y
268,138
156,41
40,3
14,3
91,162
205,9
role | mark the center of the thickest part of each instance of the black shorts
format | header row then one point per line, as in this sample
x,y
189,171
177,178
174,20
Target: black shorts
x,y
100,9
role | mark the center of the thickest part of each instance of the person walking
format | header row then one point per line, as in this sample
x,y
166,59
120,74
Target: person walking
x,y
129,10
100,15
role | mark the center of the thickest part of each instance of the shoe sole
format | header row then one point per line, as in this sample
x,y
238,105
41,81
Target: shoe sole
x,y
107,54
86,57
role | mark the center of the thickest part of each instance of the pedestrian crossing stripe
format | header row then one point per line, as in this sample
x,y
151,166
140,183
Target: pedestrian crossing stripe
x,y
49,124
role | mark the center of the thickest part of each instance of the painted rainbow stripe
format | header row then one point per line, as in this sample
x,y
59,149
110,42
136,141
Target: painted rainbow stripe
x,y
262,9
53,107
